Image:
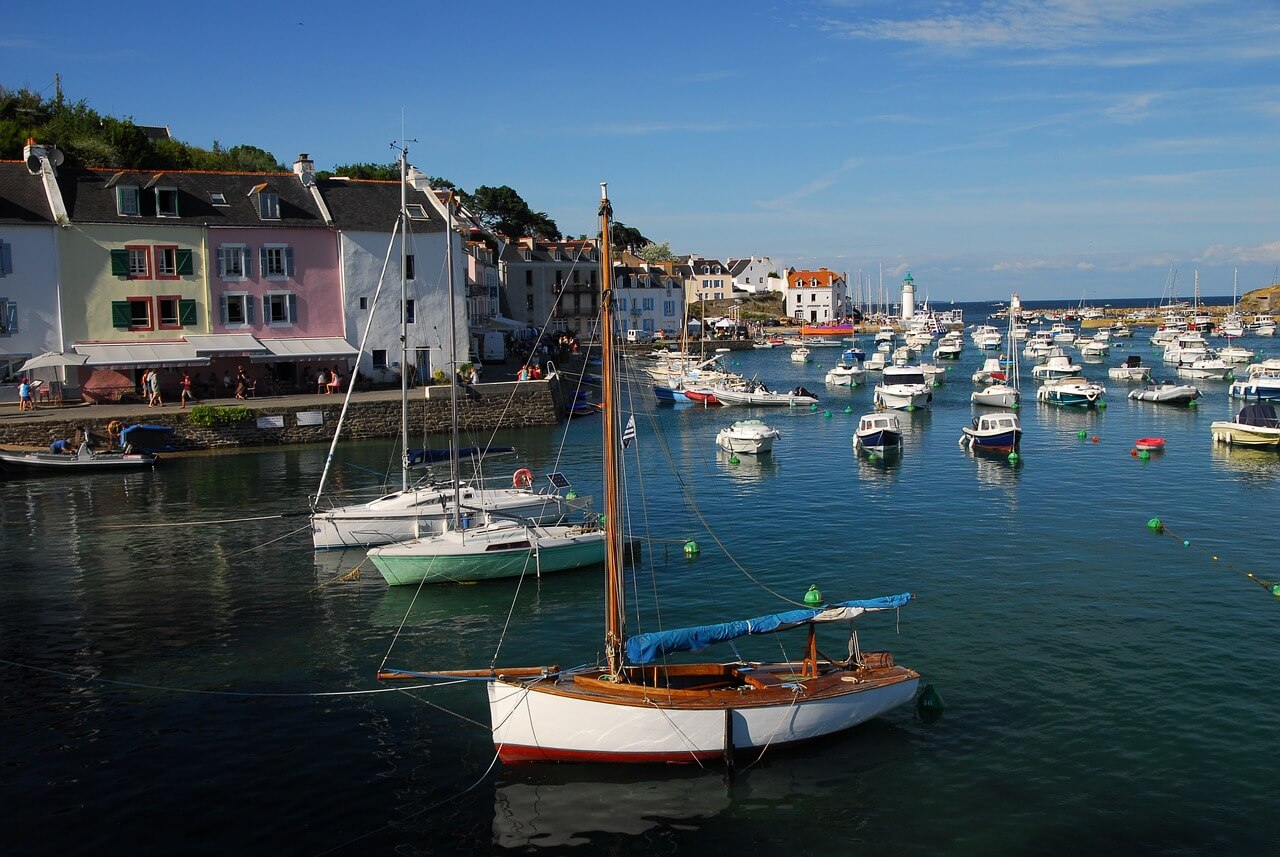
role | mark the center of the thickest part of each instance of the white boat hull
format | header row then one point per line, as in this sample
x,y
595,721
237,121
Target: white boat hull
x,y
1239,434
997,396
903,396
535,723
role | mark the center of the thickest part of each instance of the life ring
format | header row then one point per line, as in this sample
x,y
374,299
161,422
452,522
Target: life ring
x,y
522,478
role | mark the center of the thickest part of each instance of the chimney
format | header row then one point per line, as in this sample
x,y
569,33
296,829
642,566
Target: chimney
x,y
305,169
33,153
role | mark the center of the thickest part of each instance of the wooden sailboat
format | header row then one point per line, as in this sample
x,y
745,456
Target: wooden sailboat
x,y
637,705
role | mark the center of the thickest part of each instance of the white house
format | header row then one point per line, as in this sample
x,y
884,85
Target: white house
x,y
816,297
756,275
365,213
649,299
30,280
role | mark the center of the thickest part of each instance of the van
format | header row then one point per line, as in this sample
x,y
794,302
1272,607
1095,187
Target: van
x,y
634,335
493,348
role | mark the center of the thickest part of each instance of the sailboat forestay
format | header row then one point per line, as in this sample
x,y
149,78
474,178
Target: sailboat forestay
x,y
636,705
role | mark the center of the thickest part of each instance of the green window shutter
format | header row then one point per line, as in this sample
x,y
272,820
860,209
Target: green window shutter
x,y
120,315
184,262
187,312
120,265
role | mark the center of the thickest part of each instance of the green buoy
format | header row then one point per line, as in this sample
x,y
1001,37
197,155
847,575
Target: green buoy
x,y
1102,406
1192,404
1155,525
813,598
929,704
826,414
848,410
691,548
813,407
1013,456
1082,434
1144,455
733,459
571,495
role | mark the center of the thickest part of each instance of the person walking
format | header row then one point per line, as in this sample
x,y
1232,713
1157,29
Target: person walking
x,y
242,382
156,398
24,396
185,395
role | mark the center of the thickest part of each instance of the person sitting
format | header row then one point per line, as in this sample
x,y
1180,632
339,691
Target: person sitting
x,y
322,380
335,382
62,446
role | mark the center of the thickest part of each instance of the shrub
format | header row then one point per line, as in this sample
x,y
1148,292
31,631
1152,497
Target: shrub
x,y
438,377
208,416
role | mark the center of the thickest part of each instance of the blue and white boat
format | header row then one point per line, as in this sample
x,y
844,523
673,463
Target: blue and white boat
x,y
670,394
993,433
878,431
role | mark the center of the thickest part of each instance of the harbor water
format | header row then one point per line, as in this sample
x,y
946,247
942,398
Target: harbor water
x,y
183,674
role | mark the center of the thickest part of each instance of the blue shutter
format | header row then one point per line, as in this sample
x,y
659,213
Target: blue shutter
x,y
293,308
222,308
246,259
222,262
6,258
248,309
262,262
266,310
288,261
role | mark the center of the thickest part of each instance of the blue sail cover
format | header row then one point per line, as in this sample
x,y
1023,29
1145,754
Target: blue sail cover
x,y
647,648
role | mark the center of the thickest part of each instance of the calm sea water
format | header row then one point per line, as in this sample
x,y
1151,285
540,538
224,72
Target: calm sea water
x,y
195,686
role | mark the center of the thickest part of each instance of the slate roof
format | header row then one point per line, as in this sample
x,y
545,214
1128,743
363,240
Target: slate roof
x,y
372,206
737,266
22,198
88,198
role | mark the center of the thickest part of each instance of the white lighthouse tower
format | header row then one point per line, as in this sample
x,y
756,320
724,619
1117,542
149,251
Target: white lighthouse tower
x,y
908,297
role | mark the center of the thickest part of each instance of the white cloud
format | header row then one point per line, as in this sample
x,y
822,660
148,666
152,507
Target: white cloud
x,y
1268,253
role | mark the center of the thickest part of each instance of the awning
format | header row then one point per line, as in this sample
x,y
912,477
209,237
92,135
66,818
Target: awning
x,y
127,356
314,348
499,323
226,344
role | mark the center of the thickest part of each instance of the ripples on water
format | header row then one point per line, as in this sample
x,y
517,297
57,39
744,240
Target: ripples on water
x,y
1109,690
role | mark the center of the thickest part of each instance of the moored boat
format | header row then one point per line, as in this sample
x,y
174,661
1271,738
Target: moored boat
x,y
1254,426
1071,392
1166,393
878,431
992,433
752,437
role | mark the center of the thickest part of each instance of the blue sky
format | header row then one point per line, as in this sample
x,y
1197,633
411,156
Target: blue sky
x,y
1073,149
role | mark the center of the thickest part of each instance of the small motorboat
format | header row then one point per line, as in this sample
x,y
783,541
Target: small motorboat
x,y
992,372
996,396
800,355
903,388
752,437
1130,370
1150,444
1071,392
1166,393
704,396
993,433
878,431
1058,365
1207,368
1254,425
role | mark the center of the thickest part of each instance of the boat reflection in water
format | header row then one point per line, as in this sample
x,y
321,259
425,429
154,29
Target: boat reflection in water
x,y
995,468
748,466
1254,466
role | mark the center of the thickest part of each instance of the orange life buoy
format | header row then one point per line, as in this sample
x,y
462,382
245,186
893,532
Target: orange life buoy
x,y
522,478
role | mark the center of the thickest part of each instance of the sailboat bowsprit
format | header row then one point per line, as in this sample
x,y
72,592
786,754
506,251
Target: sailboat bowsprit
x,y
635,705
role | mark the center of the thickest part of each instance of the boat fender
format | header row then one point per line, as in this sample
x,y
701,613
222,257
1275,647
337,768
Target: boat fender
x,y
522,478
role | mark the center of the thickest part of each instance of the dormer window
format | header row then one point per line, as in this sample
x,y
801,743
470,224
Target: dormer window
x,y
555,254
166,202
416,211
128,201
528,255
218,198
268,202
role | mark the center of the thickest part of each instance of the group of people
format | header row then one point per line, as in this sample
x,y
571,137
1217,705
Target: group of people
x,y
151,389
557,347
328,381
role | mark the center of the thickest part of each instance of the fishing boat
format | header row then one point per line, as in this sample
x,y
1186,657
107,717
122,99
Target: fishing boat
x,y
1071,392
1262,325
1166,393
949,348
752,437
1057,365
422,506
1120,330
756,394
1093,348
1235,354
848,371
878,431
638,703
1130,370
800,355
903,388
1254,425
992,433
138,447
1208,367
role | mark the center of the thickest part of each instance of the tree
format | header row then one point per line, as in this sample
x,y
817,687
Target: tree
x,y
654,253
505,212
628,238
377,172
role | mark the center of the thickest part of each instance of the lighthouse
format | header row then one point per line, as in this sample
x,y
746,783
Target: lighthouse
x,y
908,297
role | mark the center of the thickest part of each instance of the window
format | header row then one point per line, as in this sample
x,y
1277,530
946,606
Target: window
x,y
379,356
408,311
166,202
132,313
416,211
268,205
166,263
528,302
668,308
237,309
8,317
6,261
218,198
528,278
555,254
622,304
577,276
647,324
409,267
364,303
279,308
528,255
559,279
277,261
139,261
128,201
167,311
233,261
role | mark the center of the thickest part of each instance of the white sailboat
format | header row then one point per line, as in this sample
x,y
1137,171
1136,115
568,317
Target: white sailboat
x,y
495,545
422,507
636,704
1004,394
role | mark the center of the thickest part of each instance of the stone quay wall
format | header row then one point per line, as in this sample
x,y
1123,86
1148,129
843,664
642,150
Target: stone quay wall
x,y
483,406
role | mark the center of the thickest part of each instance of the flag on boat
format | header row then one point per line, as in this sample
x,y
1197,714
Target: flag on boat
x,y
629,433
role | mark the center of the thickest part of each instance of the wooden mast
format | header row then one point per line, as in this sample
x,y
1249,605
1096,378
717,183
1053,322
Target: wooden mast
x,y
613,639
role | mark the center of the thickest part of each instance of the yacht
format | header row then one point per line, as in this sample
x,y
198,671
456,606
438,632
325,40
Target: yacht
x,y
1058,365
752,437
903,388
1071,392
